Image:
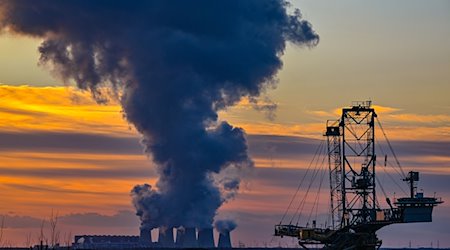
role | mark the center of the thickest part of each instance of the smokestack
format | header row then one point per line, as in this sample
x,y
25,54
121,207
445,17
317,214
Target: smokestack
x,y
145,237
189,238
180,237
205,238
224,239
224,227
165,237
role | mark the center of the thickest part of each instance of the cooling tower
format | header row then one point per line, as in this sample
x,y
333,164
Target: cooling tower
x,y
189,239
224,240
179,238
205,238
145,237
165,237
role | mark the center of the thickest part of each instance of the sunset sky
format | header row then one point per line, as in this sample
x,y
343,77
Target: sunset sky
x,y
60,151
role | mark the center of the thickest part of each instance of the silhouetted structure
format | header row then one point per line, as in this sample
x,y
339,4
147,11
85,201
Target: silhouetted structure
x,y
205,238
355,211
165,237
145,237
224,240
105,242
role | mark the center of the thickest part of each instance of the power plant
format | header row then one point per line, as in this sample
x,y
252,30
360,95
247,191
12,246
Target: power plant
x,y
184,238
356,213
224,240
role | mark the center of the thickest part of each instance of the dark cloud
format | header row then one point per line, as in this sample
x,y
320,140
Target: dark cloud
x,y
16,221
68,143
291,147
120,171
120,219
286,147
279,177
261,146
417,148
174,64
51,189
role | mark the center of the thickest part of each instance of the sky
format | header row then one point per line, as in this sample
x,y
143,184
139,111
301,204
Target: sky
x,y
60,151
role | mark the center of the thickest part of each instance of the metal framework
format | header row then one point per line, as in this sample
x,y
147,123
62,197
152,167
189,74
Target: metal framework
x,y
355,212
333,134
358,164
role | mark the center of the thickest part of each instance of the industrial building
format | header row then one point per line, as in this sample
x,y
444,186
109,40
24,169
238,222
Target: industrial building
x,y
184,238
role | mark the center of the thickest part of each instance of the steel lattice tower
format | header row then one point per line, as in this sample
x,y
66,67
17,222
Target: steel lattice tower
x,y
333,134
359,202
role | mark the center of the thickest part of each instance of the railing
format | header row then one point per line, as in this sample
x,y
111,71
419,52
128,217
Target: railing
x,y
287,230
365,104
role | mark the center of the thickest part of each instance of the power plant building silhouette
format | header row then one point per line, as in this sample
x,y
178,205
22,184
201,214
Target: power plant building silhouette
x,y
184,238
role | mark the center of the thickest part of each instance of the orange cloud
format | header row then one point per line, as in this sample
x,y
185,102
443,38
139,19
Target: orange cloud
x,y
58,109
384,109
432,119
69,182
66,109
398,124
313,130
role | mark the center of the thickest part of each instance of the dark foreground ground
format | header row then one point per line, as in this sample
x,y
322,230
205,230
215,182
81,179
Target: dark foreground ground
x,y
247,248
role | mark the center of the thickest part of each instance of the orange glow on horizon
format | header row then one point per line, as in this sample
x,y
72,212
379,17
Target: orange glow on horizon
x,y
33,181
68,110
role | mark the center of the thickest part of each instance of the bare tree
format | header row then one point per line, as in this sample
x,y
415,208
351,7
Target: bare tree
x,y
28,240
54,233
42,237
2,225
68,239
8,244
57,238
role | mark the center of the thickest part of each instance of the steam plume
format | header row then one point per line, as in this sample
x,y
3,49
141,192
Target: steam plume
x,y
174,64
224,226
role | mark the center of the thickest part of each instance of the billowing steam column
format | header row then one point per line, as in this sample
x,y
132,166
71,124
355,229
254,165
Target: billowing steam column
x,y
173,70
224,227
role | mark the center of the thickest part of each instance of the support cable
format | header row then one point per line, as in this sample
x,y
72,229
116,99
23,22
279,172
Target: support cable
x,y
301,182
316,200
389,175
382,189
389,163
301,205
394,181
390,147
